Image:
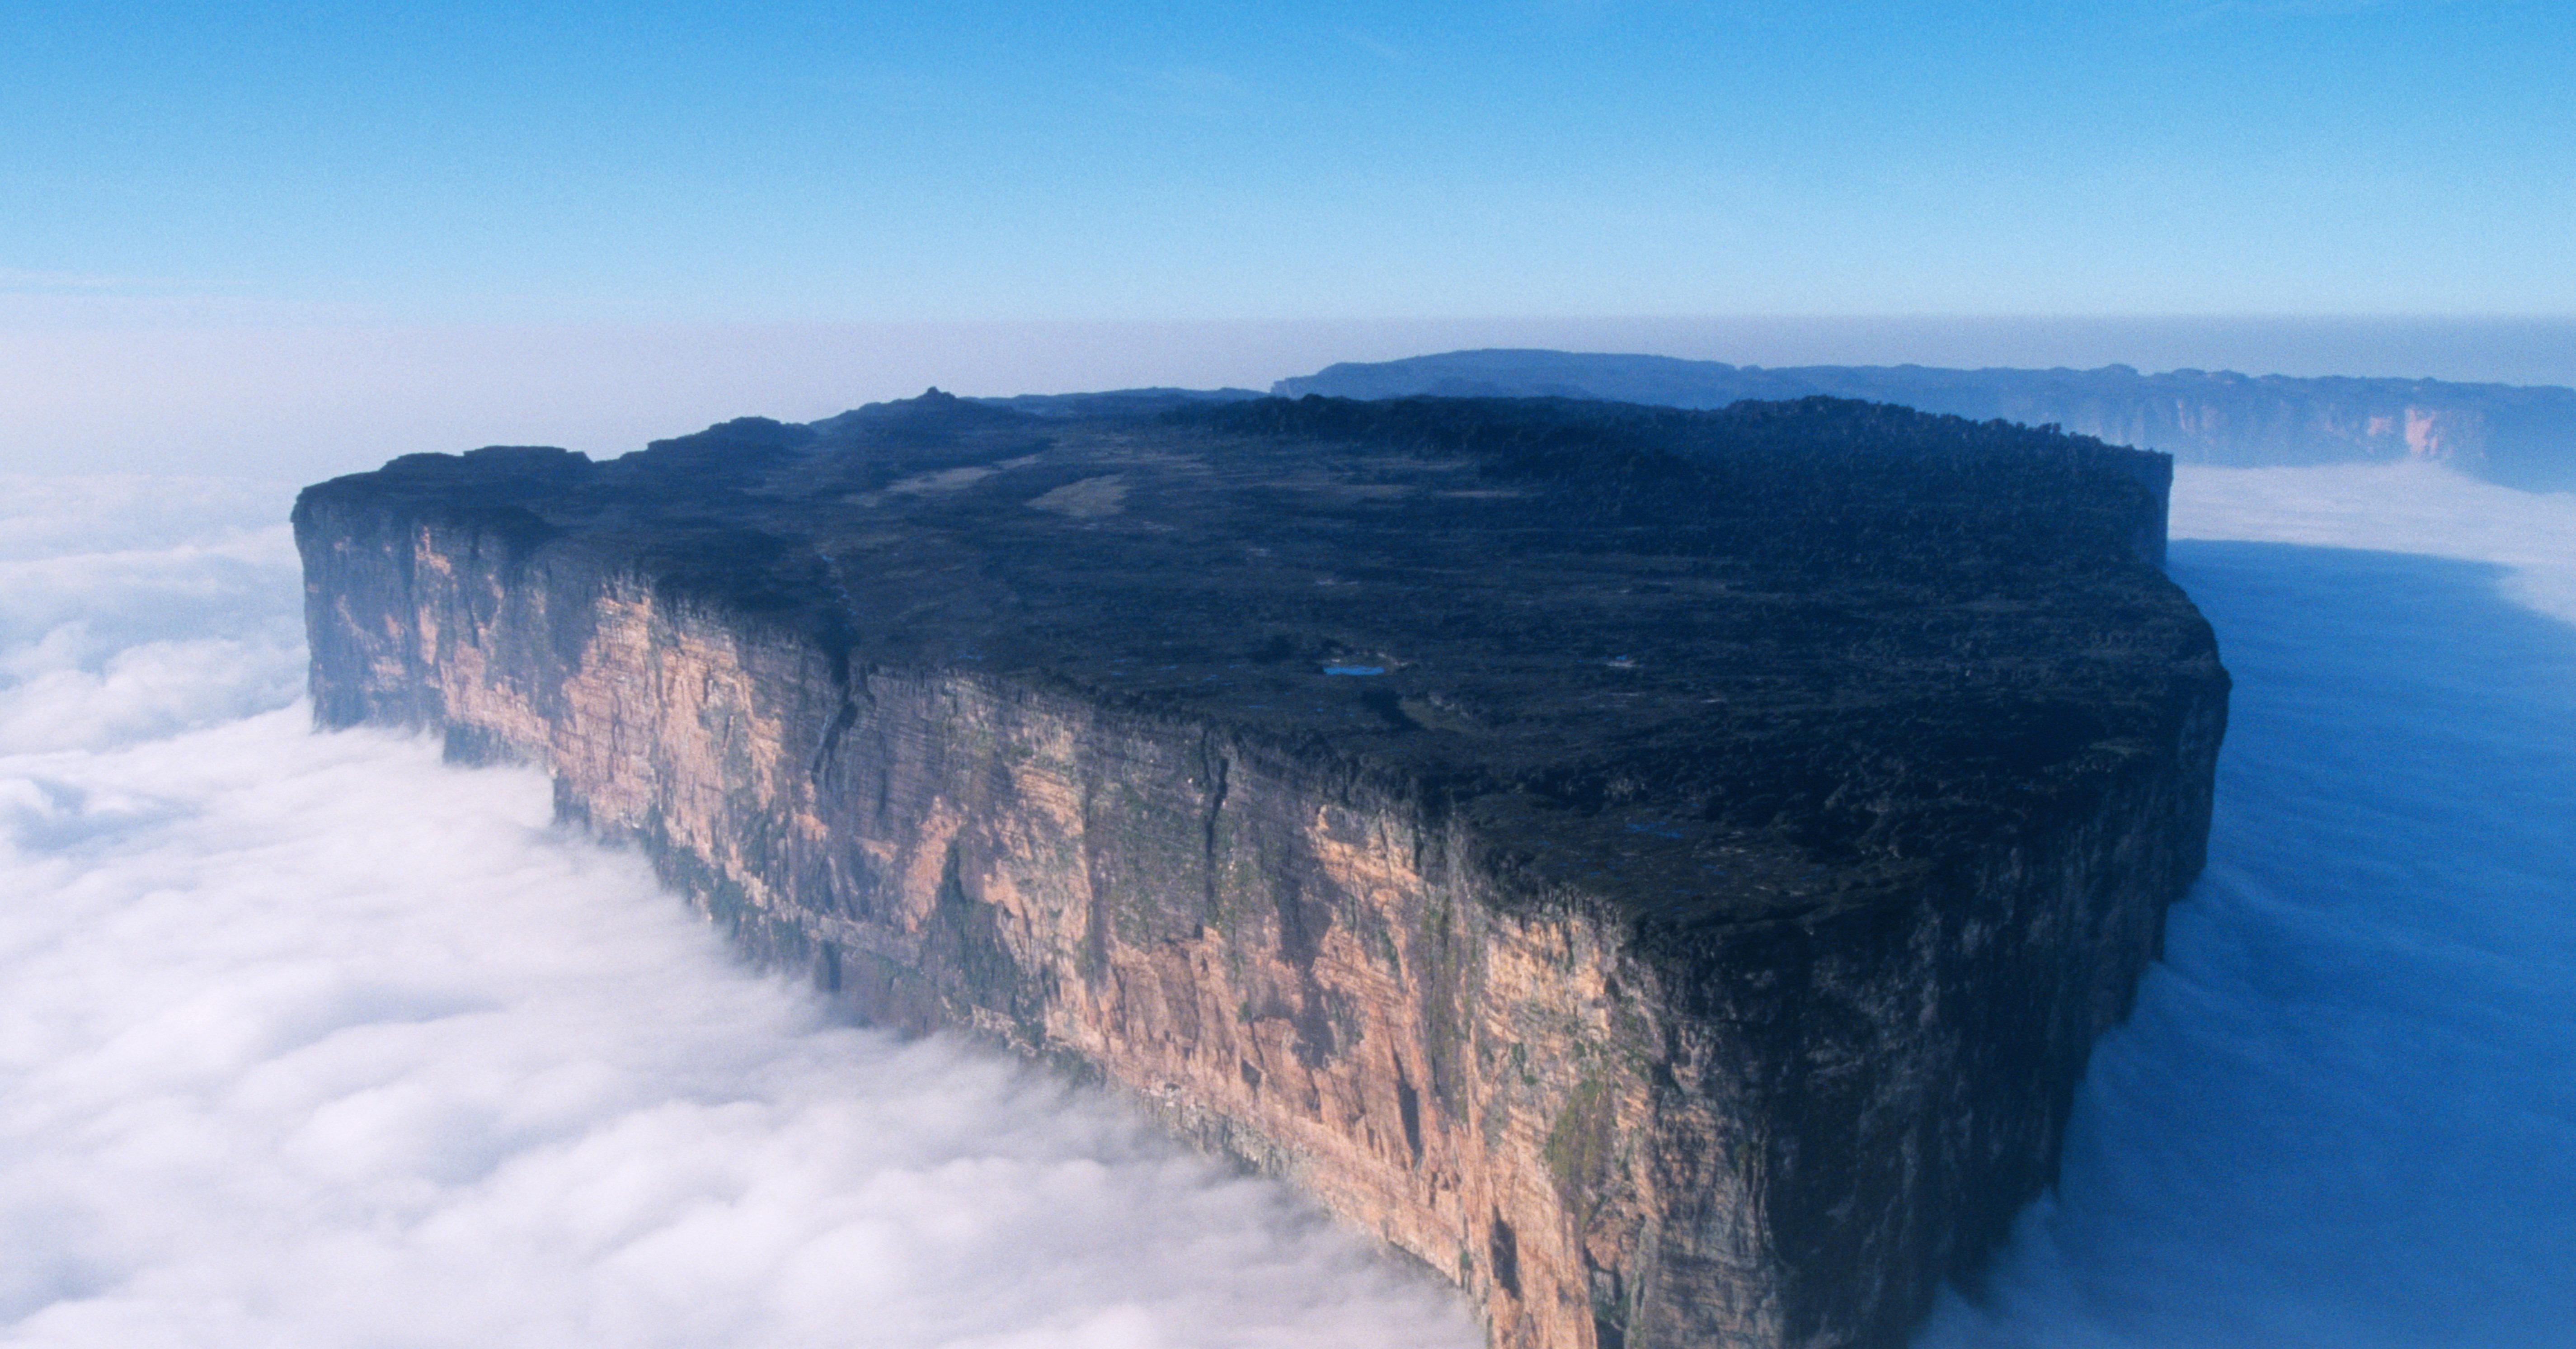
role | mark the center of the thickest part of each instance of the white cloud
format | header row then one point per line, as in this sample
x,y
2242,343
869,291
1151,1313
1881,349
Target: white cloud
x,y
25,278
133,607
2340,1116
311,1040
2398,508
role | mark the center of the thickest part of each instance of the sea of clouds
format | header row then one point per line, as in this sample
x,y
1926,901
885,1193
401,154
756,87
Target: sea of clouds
x,y
2343,1114
310,1040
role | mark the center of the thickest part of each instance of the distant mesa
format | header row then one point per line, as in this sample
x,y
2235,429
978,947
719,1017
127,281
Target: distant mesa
x,y
2518,436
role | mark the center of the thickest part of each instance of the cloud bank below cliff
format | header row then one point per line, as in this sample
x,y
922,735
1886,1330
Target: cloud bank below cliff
x,y
2341,1116
2396,508
312,1040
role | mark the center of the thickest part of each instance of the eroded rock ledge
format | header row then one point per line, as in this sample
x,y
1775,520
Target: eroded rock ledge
x,y
1664,870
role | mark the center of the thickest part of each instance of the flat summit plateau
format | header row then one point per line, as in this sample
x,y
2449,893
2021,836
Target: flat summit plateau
x,y
1663,869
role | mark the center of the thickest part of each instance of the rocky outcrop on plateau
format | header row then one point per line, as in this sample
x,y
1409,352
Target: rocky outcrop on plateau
x,y
1663,870
2515,435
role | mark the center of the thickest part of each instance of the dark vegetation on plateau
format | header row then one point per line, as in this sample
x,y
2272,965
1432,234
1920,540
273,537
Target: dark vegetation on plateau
x,y
1785,652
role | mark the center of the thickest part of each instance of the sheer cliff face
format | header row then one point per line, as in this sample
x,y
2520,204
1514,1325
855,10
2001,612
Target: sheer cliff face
x,y
1612,1118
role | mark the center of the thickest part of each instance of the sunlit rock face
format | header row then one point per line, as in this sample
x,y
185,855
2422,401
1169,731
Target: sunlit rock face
x,y
1663,870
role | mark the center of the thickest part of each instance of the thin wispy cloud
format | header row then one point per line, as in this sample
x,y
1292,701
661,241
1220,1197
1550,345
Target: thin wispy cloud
x,y
2303,9
1382,50
1186,90
39,281
22,278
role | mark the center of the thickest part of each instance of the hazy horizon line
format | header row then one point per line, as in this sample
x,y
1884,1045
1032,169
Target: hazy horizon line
x,y
304,398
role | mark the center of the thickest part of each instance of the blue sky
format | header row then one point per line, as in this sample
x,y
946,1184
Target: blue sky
x,y
978,162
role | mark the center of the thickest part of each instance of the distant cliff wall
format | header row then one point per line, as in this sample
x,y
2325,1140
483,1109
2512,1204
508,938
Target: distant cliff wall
x,y
2522,437
1609,1131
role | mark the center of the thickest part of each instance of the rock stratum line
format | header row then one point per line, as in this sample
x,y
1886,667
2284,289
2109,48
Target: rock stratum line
x,y
1663,870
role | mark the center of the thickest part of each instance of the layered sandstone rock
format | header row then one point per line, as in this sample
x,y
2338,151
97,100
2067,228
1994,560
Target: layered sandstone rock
x,y
1663,871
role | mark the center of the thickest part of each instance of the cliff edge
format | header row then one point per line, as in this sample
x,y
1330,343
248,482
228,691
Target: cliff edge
x,y
1662,869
